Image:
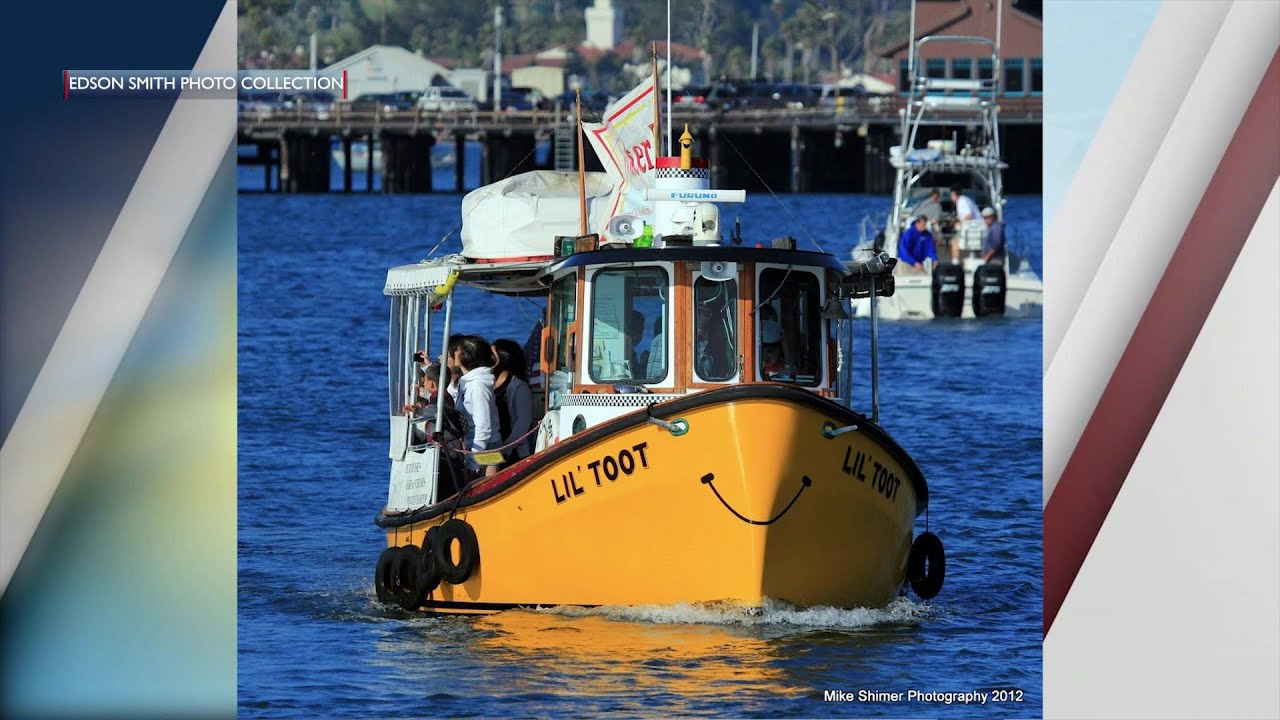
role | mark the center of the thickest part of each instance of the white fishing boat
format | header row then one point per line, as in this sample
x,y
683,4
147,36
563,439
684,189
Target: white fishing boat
x,y
962,283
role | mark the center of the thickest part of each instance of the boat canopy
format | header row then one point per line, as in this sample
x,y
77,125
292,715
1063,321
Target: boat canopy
x,y
521,216
432,277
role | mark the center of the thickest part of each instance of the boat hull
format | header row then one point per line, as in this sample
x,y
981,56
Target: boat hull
x,y
753,502
913,298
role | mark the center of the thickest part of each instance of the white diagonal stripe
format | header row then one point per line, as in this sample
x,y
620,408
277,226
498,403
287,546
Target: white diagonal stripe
x,y
116,294
1120,155
1161,208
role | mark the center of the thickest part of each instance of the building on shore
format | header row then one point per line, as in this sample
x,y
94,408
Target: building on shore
x,y
1021,44
386,69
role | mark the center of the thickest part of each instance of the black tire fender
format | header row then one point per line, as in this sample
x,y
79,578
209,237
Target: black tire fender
x,y
404,572
428,578
926,565
468,551
383,580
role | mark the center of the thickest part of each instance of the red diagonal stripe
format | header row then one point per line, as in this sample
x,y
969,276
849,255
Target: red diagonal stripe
x,y
1161,342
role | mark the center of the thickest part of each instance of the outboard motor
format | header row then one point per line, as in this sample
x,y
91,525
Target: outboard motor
x,y
989,290
948,290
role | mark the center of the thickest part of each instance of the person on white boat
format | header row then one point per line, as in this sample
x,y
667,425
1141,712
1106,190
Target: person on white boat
x,y
469,359
966,208
993,244
930,207
514,398
916,245
966,211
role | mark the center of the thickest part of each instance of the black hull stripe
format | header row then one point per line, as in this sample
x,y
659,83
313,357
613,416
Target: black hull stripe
x,y
674,408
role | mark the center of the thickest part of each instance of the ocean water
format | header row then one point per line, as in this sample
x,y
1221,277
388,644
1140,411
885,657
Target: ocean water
x,y
963,397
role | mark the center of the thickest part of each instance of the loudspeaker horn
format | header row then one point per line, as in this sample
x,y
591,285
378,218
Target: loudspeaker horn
x,y
625,228
719,270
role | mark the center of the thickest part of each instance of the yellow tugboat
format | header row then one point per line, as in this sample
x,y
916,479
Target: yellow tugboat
x,y
696,442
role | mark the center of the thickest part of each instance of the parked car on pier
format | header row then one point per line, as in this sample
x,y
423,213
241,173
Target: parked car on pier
x,y
384,102
260,103
445,99
524,98
315,102
752,95
692,97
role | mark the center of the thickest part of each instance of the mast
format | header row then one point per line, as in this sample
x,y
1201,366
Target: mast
x,y
668,73
497,58
582,172
657,115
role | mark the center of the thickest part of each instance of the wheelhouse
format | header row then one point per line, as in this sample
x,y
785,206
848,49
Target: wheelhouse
x,y
624,328
678,320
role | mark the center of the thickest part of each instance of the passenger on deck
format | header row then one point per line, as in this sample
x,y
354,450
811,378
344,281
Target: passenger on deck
x,y
930,207
470,358
916,245
514,398
635,333
428,390
773,361
655,364
966,208
993,246
424,406
966,211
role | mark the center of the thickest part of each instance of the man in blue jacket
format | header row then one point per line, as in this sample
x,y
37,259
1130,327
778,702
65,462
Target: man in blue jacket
x,y
916,244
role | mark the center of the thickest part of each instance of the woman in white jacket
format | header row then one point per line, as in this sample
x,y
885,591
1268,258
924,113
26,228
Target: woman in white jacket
x,y
469,359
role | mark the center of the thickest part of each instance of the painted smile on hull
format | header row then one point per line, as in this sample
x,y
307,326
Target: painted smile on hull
x,y
710,478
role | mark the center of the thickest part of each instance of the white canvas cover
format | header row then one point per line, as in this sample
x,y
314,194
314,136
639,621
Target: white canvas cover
x,y
521,216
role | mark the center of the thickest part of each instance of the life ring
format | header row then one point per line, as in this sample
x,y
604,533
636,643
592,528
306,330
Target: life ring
x,y
455,573
926,565
405,574
382,575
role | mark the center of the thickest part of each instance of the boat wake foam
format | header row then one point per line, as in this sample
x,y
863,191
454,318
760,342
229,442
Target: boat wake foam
x,y
901,611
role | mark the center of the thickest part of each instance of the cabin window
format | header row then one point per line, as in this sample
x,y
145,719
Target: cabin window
x,y
564,304
904,75
629,325
396,376
789,337
962,68
1037,76
715,330
406,335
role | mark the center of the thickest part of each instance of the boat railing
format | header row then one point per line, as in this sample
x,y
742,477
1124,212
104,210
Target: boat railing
x,y
930,83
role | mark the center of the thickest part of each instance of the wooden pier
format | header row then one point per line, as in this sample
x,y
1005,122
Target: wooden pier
x,y
826,149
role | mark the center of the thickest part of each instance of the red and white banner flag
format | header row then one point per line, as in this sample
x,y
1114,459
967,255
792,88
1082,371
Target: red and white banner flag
x,y
624,142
